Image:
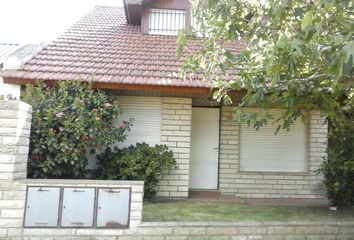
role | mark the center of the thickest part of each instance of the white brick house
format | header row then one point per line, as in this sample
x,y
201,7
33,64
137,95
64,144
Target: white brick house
x,y
207,144
127,51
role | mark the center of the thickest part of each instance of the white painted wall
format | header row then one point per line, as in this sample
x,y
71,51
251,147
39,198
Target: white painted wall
x,y
6,89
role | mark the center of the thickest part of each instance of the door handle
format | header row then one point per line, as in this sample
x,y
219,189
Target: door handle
x,y
113,191
216,148
76,190
41,223
77,223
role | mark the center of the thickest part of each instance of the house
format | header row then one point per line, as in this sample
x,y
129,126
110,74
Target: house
x,y
6,90
14,55
131,52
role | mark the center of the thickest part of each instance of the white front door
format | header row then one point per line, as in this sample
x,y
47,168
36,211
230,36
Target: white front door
x,y
204,148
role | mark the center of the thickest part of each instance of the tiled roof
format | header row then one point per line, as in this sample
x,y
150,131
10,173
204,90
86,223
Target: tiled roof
x,y
103,47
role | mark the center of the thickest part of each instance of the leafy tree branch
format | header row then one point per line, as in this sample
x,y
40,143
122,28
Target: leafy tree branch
x,y
289,54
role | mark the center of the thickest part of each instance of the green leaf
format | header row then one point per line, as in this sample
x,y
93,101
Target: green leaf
x,y
307,20
230,55
238,115
348,50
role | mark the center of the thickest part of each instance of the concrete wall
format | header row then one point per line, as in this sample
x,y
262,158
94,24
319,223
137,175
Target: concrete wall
x,y
232,181
176,134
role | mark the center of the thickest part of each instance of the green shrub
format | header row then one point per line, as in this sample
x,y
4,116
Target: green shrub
x,y
68,120
338,168
139,162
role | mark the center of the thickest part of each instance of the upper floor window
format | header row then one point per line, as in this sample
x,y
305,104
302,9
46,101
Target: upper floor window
x,y
166,21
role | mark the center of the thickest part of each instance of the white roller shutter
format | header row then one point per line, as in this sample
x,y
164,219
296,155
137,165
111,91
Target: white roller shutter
x,y
146,115
263,151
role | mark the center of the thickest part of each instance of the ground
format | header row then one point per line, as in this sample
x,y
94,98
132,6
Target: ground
x,y
243,210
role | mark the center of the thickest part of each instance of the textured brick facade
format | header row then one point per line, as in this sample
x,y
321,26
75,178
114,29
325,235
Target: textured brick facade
x,y
15,125
176,134
232,181
194,231
14,130
12,204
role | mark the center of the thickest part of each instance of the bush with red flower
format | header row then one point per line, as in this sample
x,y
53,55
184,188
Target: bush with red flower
x,y
69,119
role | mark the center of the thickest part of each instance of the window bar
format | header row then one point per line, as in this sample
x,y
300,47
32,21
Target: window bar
x,y
173,23
166,21
160,26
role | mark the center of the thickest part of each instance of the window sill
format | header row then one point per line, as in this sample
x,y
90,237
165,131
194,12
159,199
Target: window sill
x,y
274,173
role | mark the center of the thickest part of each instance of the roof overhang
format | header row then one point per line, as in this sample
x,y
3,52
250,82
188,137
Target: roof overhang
x,y
121,86
134,10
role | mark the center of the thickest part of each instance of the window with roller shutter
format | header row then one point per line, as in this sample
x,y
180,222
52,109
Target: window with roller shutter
x,y
264,151
145,113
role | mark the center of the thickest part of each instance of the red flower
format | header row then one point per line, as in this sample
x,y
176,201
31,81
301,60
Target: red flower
x,y
84,137
35,157
122,125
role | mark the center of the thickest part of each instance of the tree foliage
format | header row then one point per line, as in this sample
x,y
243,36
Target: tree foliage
x,y
338,168
296,54
68,120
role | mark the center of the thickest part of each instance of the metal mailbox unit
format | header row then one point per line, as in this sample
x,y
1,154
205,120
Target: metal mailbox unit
x,y
42,207
113,208
78,207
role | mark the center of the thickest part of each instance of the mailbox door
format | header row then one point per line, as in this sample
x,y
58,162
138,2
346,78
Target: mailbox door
x,y
42,207
78,207
113,207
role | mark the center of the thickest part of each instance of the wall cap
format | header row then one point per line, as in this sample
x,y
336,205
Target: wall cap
x,y
15,105
68,182
247,224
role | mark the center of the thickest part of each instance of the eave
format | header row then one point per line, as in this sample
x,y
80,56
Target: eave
x,y
121,86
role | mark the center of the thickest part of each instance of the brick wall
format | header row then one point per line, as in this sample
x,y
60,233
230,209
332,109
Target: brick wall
x,y
14,133
232,181
176,134
199,231
15,125
12,204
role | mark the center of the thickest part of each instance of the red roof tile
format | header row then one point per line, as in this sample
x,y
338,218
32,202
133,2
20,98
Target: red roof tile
x,y
103,45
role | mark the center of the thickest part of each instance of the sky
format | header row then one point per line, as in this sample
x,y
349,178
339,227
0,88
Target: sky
x,y
38,21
